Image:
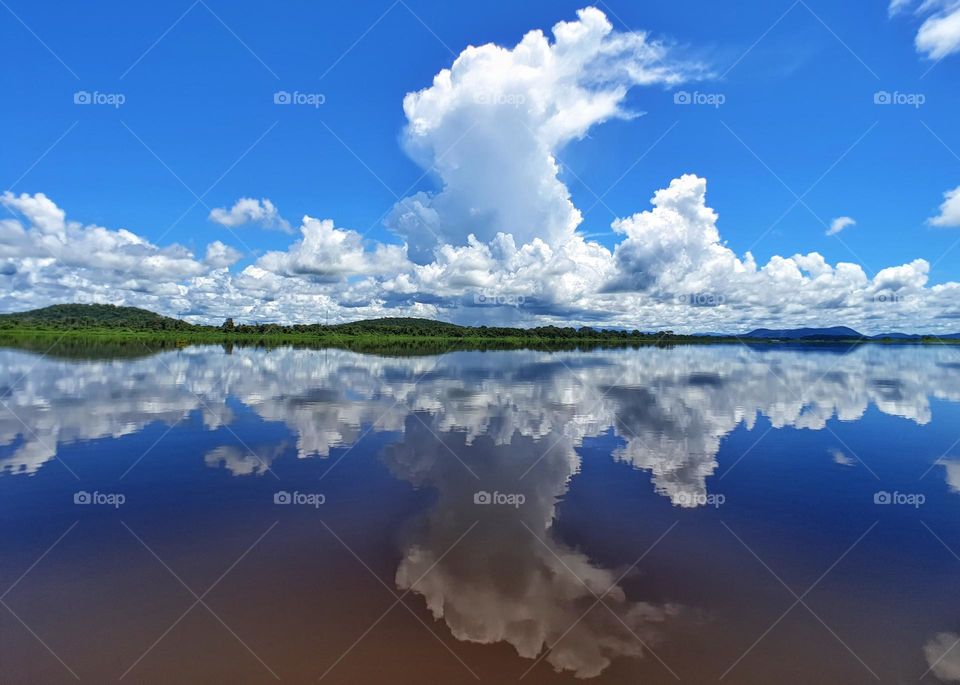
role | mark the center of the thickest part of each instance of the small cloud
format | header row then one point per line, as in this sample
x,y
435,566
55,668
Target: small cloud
x,y
247,210
939,35
840,458
949,216
220,255
897,6
840,223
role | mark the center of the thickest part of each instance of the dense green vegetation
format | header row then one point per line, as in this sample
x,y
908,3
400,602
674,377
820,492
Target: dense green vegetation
x,y
86,316
108,320
105,324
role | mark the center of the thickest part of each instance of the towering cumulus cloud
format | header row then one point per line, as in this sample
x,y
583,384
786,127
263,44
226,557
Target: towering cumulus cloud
x,y
498,221
489,127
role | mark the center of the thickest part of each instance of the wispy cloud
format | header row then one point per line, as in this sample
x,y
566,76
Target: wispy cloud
x,y
939,34
840,223
949,216
247,210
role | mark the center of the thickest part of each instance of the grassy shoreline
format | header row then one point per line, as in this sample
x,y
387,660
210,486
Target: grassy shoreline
x,y
439,341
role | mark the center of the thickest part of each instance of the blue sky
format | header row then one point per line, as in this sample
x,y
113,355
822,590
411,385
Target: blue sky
x,y
796,82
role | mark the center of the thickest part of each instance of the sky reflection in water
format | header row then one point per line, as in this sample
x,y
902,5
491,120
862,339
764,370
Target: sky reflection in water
x,y
663,505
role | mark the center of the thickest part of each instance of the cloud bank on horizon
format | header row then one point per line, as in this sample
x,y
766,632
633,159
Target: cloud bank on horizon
x,y
500,227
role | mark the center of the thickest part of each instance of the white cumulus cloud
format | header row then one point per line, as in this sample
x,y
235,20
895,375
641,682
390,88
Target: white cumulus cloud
x,y
247,210
327,252
220,255
490,126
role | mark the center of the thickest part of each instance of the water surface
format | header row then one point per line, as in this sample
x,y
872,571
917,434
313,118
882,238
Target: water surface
x,y
695,514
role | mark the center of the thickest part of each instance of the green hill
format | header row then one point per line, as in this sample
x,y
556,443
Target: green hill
x,y
85,316
400,326
400,321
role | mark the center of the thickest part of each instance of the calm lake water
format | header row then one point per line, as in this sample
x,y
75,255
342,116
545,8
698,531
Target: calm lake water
x,y
696,514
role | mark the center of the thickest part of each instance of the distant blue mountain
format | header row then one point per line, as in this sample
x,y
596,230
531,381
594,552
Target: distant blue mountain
x,y
914,336
836,333
896,336
801,333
